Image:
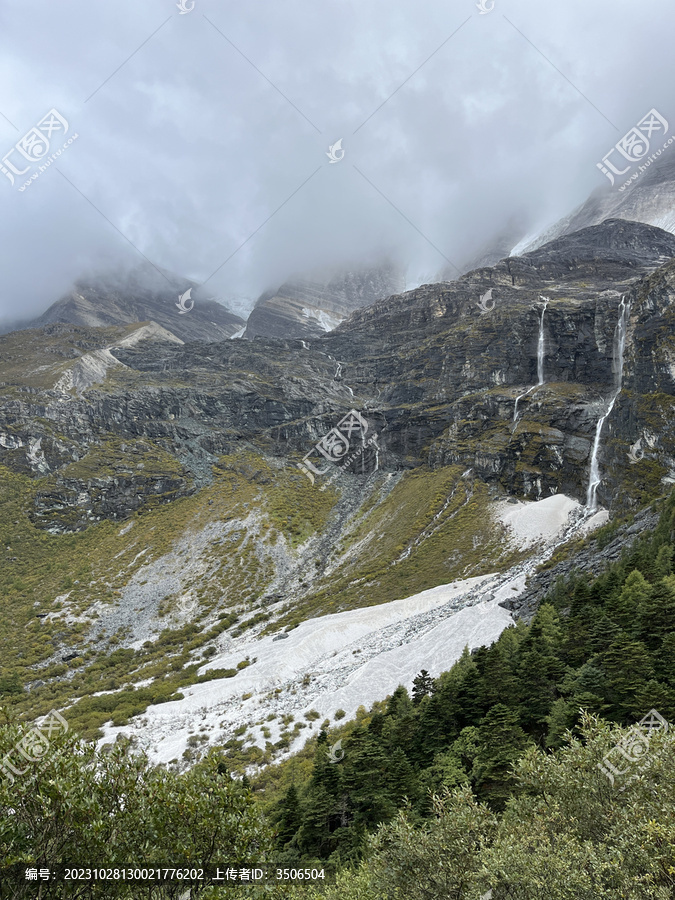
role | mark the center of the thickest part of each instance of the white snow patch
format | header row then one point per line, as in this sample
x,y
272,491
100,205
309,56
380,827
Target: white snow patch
x,y
150,332
353,658
531,523
93,367
394,641
323,318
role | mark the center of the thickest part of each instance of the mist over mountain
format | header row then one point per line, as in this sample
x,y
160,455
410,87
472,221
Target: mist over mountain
x,y
643,194
140,295
367,584
311,306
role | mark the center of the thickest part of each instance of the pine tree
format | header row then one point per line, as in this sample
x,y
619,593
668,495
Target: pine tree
x,y
562,717
665,660
540,669
499,681
656,613
446,773
423,685
628,666
401,780
624,608
288,816
501,742
322,806
664,561
365,783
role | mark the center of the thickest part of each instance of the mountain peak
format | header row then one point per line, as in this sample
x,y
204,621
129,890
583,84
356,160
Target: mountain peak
x,y
143,294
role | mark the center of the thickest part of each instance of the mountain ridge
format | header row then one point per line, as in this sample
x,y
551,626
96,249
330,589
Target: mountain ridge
x,y
140,295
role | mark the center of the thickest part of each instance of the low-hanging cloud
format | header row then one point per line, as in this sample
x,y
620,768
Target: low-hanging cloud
x,y
203,137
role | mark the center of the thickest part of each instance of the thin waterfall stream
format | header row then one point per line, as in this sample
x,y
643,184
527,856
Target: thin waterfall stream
x,y
594,479
541,346
541,354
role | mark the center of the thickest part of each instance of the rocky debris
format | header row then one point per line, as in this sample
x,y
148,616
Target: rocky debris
x,y
351,658
591,559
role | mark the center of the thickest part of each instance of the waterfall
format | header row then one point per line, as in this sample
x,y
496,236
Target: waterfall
x,y
518,399
540,362
540,345
617,365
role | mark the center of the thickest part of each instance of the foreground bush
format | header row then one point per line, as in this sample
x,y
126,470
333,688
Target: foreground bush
x,y
568,834
73,804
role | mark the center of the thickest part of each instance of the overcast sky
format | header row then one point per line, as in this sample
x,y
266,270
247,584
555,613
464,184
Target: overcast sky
x,y
220,118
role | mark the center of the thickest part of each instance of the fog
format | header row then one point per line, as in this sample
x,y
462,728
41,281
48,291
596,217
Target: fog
x,y
202,138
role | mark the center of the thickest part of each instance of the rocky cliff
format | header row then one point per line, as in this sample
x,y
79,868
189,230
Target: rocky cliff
x,y
311,306
436,372
152,500
644,196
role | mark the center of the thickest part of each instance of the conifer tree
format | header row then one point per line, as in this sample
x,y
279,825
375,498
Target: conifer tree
x,y
624,608
289,816
423,684
501,741
628,666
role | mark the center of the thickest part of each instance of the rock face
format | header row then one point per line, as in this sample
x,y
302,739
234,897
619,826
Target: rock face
x,y
436,371
649,199
115,480
142,295
310,307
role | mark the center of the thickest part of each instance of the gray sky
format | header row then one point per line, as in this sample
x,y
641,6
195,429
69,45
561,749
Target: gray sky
x,y
189,148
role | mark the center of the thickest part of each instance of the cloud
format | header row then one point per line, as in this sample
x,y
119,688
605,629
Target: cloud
x,y
202,138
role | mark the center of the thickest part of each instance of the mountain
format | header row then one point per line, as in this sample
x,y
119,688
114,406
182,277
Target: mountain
x,y
310,306
650,198
141,295
496,248
187,537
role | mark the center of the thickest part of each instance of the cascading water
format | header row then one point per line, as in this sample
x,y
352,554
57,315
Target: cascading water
x,y
619,347
518,399
541,348
540,345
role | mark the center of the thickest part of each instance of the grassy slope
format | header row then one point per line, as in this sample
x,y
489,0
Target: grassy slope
x,y
437,516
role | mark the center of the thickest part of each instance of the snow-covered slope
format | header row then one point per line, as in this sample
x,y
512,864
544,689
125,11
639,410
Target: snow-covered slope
x,y
353,658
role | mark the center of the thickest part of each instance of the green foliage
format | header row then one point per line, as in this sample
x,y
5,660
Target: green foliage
x,y
612,653
567,834
109,809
